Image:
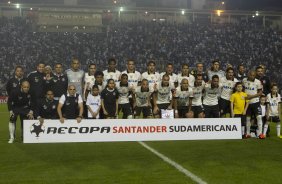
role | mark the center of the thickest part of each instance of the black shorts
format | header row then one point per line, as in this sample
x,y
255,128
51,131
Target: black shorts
x,y
162,106
274,119
224,106
111,110
125,108
147,111
197,110
211,111
243,119
254,109
182,111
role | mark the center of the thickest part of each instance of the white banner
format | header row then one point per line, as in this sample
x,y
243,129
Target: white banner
x,y
105,130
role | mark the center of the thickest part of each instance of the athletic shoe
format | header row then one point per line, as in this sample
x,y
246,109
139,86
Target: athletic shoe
x,y
11,141
247,136
261,136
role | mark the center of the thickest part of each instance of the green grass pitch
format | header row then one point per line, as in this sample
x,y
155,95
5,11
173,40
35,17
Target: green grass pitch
x,y
221,161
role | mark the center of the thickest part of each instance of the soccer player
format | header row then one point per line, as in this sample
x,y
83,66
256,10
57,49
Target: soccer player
x,y
93,103
265,81
239,104
253,88
162,98
14,83
47,108
99,80
19,104
186,75
241,73
273,113
212,92
151,75
228,82
89,80
75,76
169,72
197,104
109,100
200,71
70,105
183,100
58,83
141,98
37,83
111,72
215,70
124,91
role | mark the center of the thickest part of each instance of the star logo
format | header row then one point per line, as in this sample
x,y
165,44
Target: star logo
x,y
37,128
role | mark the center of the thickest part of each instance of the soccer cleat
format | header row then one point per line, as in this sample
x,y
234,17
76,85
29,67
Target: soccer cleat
x,y
247,136
261,136
11,141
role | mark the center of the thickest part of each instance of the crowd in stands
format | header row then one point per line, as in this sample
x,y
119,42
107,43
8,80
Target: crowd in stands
x,y
242,43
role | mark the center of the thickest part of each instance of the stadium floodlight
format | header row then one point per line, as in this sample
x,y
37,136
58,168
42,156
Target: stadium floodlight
x,y
17,5
257,13
146,12
218,12
9,2
182,12
30,8
121,9
222,2
253,16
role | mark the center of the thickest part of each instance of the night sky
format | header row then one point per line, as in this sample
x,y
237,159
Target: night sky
x,y
254,4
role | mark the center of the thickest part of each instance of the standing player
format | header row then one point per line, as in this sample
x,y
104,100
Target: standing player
x,y
253,88
99,80
111,72
185,75
75,76
19,104
273,113
215,70
70,105
109,100
89,80
169,72
93,103
141,98
162,98
200,71
14,83
37,84
265,81
228,84
239,105
212,92
183,100
58,83
151,75
197,104
124,91
241,73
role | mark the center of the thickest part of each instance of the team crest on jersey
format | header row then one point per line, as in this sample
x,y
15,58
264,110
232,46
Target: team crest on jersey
x,y
111,76
152,77
20,97
15,85
54,107
131,76
76,101
114,93
55,80
44,107
36,79
63,79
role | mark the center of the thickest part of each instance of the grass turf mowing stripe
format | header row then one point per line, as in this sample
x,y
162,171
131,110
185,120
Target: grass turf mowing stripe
x,y
174,164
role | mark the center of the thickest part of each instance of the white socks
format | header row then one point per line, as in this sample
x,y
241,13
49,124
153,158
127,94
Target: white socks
x,y
12,128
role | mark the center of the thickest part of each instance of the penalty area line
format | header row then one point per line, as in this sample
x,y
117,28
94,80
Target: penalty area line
x,y
174,164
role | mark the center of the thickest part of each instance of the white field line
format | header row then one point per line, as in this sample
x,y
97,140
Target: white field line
x,y
174,164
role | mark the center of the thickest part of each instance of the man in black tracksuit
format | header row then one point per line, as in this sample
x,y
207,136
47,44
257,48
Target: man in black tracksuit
x,y
47,108
58,83
36,80
20,104
14,83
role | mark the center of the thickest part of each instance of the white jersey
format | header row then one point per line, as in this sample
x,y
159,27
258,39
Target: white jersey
x,y
263,110
273,102
89,79
75,78
183,96
111,75
63,99
172,77
152,79
227,88
94,102
190,78
251,88
219,73
211,95
163,93
133,78
123,93
197,95
142,98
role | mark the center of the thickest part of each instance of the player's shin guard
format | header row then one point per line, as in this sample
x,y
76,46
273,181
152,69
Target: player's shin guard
x,y
248,125
259,121
12,128
265,129
278,126
130,117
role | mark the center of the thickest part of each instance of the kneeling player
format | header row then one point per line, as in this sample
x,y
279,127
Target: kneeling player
x,y
141,100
